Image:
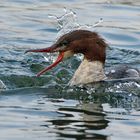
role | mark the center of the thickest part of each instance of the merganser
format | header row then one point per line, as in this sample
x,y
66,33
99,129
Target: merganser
x,y
93,47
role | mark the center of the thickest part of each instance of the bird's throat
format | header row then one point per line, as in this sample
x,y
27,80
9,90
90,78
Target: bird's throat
x,y
88,72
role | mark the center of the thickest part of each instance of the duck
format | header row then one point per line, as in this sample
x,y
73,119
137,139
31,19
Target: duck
x,y
93,47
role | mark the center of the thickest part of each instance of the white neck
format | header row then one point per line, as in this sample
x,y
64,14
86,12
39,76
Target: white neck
x,y
88,72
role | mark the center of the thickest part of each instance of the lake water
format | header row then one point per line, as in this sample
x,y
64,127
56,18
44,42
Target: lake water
x,y
43,108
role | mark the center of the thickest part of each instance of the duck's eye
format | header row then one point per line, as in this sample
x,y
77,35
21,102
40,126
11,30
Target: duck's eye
x,y
64,43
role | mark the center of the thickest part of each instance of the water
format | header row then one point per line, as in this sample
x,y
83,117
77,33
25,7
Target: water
x,y
44,107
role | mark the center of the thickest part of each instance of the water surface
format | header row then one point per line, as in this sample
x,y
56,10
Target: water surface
x,y
44,107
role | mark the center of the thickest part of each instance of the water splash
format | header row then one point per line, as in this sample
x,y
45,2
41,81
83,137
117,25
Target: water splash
x,y
69,22
2,86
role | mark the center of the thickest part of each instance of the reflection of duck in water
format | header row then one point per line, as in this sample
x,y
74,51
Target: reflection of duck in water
x,y
93,47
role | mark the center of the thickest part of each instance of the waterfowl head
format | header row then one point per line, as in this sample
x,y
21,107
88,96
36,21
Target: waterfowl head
x,y
88,43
